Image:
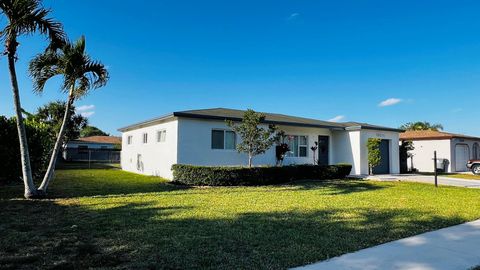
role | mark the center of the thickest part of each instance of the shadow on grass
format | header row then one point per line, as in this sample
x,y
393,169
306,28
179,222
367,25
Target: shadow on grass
x,y
143,235
70,165
96,182
339,187
108,182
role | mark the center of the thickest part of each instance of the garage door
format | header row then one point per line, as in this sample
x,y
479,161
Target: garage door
x,y
461,157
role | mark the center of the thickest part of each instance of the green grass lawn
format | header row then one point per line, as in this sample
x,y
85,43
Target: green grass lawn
x,y
457,175
465,176
114,219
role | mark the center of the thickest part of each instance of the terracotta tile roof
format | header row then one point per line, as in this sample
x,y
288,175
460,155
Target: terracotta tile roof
x,y
101,139
431,135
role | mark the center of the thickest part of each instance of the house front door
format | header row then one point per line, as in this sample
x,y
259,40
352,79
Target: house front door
x,y
384,166
323,143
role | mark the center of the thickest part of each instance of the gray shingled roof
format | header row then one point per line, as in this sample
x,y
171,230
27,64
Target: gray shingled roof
x,y
270,118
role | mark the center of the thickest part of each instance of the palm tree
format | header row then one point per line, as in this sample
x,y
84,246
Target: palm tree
x,y
25,17
421,126
80,75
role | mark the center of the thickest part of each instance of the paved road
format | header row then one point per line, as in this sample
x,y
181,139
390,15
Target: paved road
x,y
442,180
455,247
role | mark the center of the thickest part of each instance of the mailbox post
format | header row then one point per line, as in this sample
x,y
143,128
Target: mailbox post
x,y
435,168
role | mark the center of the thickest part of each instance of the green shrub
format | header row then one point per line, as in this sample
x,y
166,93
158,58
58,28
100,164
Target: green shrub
x,y
39,144
243,176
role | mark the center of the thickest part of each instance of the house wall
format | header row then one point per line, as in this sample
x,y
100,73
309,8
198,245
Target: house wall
x,y
423,154
195,145
188,141
152,158
346,145
392,137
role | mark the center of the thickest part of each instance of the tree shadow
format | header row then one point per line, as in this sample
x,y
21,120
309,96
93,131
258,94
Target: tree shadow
x,y
96,182
330,187
148,236
339,187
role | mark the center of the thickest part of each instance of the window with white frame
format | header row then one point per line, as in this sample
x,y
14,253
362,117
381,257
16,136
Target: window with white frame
x,y
298,146
161,135
129,139
145,137
223,139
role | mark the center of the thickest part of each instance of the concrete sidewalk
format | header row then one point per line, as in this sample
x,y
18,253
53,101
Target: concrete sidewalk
x,y
442,180
456,247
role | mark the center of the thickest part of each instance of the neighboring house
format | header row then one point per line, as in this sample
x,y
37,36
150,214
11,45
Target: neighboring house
x,y
201,137
453,150
94,148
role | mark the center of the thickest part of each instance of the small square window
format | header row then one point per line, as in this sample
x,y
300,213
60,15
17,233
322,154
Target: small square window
x,y
161,135
217,139
230,140
129,139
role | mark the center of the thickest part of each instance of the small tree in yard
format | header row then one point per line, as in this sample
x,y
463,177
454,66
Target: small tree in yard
x,y
255,139
374,157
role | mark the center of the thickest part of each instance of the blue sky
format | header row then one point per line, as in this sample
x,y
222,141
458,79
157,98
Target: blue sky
x,y
319,59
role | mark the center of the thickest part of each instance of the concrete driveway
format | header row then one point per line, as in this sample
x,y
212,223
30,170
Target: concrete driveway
x,y
442,180
455,247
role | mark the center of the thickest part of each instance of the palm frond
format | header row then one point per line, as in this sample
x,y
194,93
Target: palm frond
x,y
26,17
83,87
76,67
80,45
97,73
46,26
42,68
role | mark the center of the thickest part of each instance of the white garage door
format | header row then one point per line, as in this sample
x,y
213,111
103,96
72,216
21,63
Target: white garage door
x,y
461,157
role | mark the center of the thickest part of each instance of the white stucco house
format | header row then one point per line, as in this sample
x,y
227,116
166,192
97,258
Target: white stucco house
x,y
455,149
201,137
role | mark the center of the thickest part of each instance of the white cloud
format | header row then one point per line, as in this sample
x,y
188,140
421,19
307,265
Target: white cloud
x,y
87,114
85,108
457,110
389,102
293,16
337,118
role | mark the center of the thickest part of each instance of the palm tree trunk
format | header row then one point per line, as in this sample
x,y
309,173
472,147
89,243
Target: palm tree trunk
x,y
58,144
30,190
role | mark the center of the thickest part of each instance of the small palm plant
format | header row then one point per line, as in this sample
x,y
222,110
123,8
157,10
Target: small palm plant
x,y
25,17
80,75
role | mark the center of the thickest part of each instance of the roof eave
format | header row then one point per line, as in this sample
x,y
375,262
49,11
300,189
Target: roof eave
x,y
353,128
237,119
147,122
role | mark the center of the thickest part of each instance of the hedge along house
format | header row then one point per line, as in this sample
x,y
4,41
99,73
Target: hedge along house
x,y
453,150
201,137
